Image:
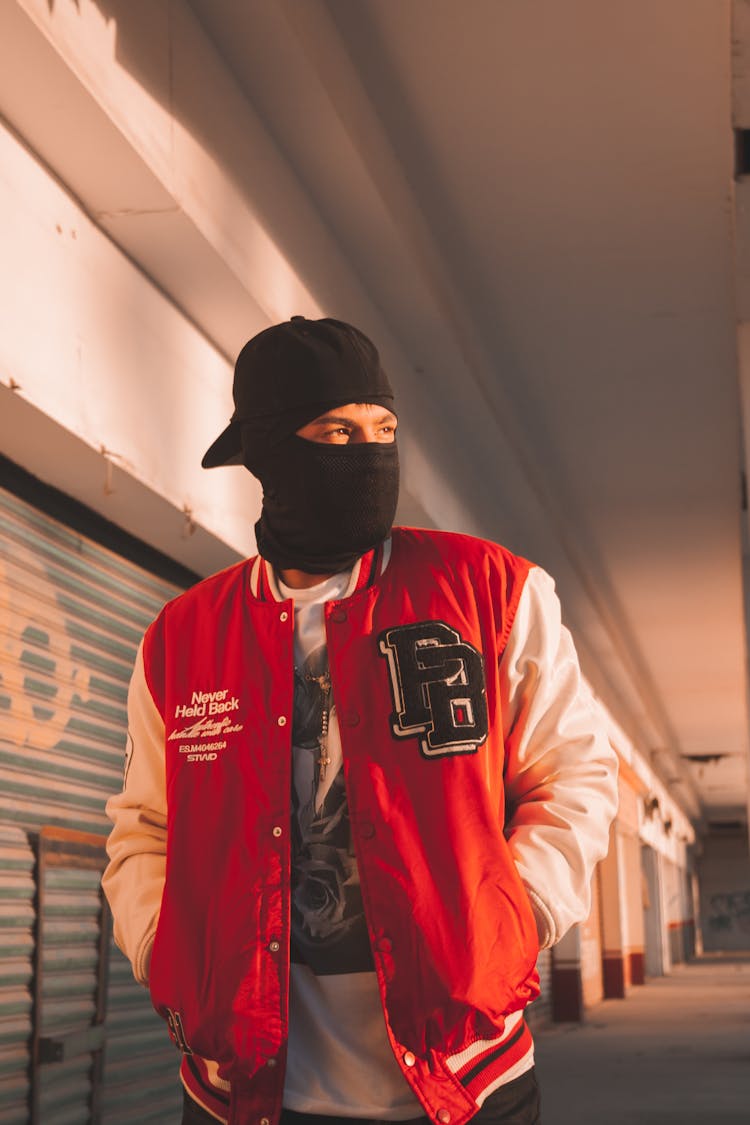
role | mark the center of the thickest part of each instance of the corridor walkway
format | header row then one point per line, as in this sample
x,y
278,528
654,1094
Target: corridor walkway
x,y
675,1052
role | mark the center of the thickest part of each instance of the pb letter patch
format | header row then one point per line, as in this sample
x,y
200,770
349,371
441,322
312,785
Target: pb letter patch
x,y
438,688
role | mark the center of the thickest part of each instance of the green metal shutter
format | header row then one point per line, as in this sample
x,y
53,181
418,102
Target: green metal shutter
x,y
71,616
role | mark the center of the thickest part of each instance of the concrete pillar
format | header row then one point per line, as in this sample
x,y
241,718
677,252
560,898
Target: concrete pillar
x,y
592,983
614,918
635,960
697,946
680,917
673,908
622,926
576,977
567,990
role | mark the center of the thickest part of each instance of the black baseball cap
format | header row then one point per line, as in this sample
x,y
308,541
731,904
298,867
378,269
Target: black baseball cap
x,y
291,373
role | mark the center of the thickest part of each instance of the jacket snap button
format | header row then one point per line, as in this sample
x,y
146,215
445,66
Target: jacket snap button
x,y
443,1116
283,616
270,1062
281,720
276,830
274,946
338,615
410,1059
264,1121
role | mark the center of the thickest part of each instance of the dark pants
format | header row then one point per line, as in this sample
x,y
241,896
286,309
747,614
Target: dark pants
x,y
517,1103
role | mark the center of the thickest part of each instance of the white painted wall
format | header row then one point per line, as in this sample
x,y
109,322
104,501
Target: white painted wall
x,y
99,351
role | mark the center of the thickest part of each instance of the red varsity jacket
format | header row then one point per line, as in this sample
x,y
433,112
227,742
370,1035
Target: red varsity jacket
x,y
414,660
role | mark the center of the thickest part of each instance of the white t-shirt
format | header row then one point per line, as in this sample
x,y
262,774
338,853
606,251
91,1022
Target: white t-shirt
x,y
339,1059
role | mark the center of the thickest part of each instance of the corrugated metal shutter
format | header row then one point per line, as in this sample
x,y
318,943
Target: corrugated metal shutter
x,y
71,616
540,1012
70,978
16,958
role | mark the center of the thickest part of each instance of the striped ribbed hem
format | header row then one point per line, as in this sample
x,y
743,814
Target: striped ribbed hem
x,y
488,1063
481,1069
196,1079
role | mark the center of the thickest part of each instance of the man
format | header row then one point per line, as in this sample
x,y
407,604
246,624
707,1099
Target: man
x,y
413,699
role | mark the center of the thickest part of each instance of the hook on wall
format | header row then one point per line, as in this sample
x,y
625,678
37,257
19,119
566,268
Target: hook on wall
x,y
189,525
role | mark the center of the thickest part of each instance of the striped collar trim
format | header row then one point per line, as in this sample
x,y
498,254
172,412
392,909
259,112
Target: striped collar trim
x,y
365,571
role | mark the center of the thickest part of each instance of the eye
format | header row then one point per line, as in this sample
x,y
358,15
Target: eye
x,y
337,433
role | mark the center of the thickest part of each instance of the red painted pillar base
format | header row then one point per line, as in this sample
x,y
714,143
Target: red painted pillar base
x,y
567,995
613,976
637,966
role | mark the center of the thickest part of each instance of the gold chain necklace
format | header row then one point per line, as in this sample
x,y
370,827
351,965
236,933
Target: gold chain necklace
x,y
324,686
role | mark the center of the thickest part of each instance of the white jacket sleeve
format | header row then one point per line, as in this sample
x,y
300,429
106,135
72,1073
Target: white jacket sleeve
x,y
561,770
137,846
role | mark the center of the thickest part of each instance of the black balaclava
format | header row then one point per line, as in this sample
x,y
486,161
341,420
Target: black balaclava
x,y
324,505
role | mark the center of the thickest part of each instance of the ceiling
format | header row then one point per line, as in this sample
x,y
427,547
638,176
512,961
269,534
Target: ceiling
x,y
537,201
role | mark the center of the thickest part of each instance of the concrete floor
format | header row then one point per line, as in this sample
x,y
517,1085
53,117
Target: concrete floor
x,y
675,1052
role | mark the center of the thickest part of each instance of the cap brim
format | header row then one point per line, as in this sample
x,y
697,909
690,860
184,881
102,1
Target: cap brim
x,y
226,450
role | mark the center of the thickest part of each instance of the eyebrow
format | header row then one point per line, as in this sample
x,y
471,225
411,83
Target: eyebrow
x,y
340,420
